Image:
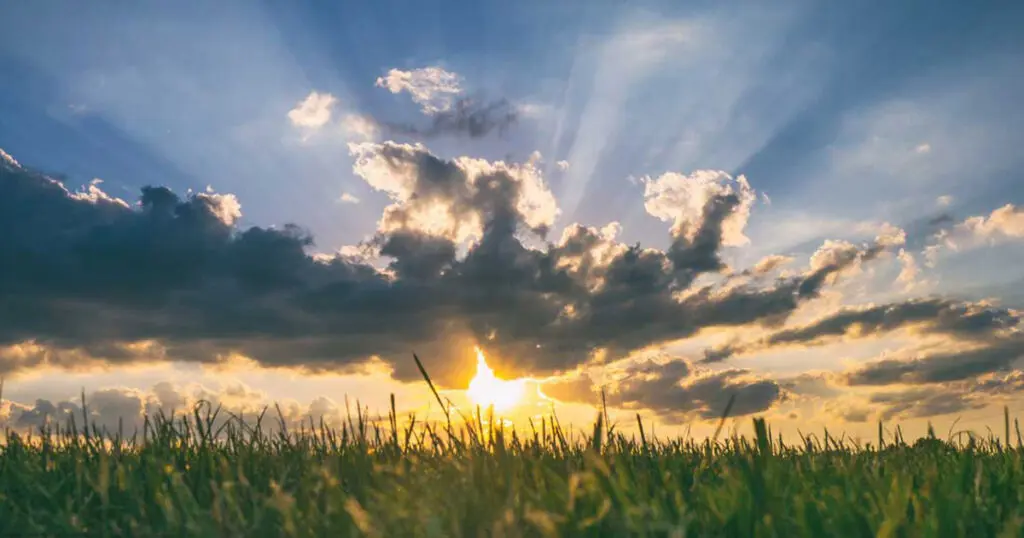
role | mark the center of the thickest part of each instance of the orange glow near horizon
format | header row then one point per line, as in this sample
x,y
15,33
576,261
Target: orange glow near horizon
x,y
485,389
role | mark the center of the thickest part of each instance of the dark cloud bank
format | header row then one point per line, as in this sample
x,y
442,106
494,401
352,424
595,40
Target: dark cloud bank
x,y
87,277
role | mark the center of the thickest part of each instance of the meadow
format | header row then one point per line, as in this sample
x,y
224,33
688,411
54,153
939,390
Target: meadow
x,y
210,473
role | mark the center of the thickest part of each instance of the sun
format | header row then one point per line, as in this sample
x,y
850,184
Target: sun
x,y
486,390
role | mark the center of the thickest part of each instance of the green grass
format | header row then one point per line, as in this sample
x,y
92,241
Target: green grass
x,y
207,473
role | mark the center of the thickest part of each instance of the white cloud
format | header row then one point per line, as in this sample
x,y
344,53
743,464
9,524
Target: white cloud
x,y
314,111
562,165
891,236
93,193
772,262
1004,223
923,148
433,88
360,128
347,198
680,199
909,270
225,206
6,158
944,200
420,203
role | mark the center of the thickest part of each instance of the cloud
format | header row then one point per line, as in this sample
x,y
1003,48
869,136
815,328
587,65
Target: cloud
x,y
678,391
562,165
909,270
468,116
347,198
770,263
433,88
359,128
440,95
891,236
8,161
931,400
679,199
124,409
944,200
576,388
968,321
911,367
453,199
1005,223
314,111
177,278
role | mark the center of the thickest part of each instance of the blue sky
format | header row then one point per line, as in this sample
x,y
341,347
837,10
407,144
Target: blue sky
x,y
844,118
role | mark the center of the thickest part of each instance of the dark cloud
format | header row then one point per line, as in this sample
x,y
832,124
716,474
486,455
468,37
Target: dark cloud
x,y
678,391
578,388
996,355
941,220
467,117
932,400
934,316
86,275
923,403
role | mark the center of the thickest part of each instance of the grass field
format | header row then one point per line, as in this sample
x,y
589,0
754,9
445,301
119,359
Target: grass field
x,y
209,474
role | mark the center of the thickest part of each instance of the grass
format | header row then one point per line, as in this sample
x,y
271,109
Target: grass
x,y
210,473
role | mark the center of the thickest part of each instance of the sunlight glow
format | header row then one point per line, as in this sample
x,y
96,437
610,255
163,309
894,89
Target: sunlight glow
x,y
486,390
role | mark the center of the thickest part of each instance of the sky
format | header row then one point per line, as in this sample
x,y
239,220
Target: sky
x,y
815,209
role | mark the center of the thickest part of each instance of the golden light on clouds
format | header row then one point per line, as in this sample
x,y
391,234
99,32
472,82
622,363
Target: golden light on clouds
x,y
486,389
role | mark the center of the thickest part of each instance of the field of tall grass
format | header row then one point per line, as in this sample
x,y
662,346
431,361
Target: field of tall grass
x,y
207,473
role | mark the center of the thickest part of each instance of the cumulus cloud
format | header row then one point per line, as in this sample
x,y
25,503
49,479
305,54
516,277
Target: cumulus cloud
x,y
1005,222
1002,224
452,199
562,165
440,96
681,199
314,111
891,236
347,198
433,88
177,278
